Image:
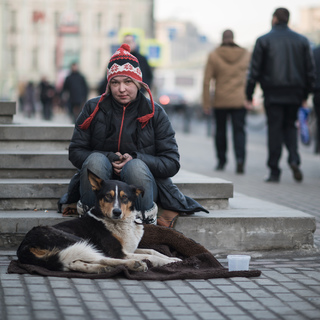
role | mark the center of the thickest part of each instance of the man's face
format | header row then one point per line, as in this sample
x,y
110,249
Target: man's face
x,y
123,89
130,41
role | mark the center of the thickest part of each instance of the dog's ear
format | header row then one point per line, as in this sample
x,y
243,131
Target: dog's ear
x,y
95,181
138,191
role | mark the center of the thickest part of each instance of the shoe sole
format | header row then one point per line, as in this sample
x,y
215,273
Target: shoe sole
x,y
272,181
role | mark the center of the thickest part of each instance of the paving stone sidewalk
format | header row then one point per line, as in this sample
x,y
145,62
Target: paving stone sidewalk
x,y
289,288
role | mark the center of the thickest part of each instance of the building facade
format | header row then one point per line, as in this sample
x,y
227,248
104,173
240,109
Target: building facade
x,y
309,23
42,37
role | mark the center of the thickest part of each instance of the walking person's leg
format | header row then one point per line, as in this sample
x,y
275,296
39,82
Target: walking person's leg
x,y
220,119
238,117
290,133
275,139
316,105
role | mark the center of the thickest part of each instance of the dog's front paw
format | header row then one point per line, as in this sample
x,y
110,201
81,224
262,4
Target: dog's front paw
x,y
139,266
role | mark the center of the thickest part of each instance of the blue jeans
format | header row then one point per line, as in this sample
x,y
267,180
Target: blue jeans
x,y
135,172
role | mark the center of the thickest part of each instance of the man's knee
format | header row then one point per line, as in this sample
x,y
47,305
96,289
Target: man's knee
x,y
135,170
98,163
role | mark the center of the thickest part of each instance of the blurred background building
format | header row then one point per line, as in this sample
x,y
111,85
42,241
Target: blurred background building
x,y
43,37
310,23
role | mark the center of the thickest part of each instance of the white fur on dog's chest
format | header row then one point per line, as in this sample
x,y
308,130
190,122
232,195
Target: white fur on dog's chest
x,y
129,234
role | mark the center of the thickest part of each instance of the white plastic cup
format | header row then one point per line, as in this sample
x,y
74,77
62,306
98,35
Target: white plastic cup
x,y
238,262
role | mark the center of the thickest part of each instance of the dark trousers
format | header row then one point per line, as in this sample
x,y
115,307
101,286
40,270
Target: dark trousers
x,y
238,117
282,129
316,104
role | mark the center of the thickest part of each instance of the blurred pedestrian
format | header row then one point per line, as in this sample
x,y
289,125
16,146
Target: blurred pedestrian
x,y
76,86
227,68
29,100
147,74
282,62
316,97
21,92
102,85
47,94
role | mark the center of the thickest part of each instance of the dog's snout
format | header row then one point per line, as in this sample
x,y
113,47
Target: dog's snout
x,y
116,212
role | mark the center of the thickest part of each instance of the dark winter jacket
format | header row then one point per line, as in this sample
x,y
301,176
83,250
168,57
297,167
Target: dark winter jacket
x,y
147,74
154,144
75,84
282,62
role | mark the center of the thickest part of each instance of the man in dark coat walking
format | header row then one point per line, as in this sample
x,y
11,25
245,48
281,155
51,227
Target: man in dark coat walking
x,y
76,86
282,62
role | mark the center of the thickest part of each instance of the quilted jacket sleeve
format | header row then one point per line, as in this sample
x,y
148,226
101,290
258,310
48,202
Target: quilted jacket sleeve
x,y
166,160
80,146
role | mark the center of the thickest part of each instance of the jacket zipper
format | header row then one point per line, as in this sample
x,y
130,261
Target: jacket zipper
x,y
121,127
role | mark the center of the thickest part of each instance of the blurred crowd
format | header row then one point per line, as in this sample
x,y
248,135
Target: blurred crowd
x,y
47,99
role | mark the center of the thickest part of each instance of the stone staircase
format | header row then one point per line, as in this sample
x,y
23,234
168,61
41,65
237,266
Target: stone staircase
x,y
35,173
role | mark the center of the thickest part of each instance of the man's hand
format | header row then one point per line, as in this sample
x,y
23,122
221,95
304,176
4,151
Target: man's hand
x,y
207,112
118,165
304,104
248,105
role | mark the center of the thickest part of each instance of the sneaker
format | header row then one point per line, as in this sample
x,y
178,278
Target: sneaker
x,y
297,174
82,209
220,166
240,168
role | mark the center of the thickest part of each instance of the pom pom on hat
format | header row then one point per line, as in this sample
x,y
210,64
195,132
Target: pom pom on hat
x,y
125,46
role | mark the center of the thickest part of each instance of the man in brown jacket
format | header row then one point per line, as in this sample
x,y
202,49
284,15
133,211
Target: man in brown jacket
x,y
226,71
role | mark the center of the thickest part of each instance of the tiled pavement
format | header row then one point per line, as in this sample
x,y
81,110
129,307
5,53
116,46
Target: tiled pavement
x,y
289,287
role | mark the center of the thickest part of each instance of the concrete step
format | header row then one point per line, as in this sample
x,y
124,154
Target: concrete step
x,y
247,225
17,137
7,111
14,145
19,194
35,160
250,224
25,173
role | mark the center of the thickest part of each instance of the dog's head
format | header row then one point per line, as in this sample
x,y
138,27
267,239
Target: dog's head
x,y
115,199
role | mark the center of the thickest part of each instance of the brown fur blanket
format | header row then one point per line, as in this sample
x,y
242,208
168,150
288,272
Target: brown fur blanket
x,y
198,263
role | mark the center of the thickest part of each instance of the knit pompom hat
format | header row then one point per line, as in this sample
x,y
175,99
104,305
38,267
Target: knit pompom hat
x,y
123,63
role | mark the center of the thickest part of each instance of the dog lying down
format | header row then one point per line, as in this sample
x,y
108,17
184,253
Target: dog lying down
x,y
106,237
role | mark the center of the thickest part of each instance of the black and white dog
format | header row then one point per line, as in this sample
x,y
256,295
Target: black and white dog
x,y
107,236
